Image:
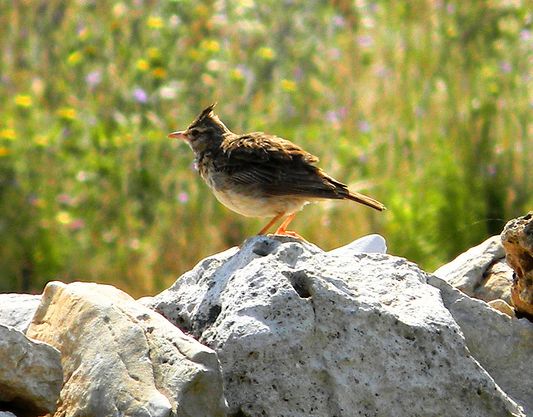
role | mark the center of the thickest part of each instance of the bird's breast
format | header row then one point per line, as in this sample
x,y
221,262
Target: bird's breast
x,y
256,205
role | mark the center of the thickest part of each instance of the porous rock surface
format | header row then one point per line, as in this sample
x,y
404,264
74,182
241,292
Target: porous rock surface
x,y
30,373
122,359
302,332
501,344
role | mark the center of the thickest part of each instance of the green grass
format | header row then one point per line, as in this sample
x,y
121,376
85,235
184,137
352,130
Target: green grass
x,y
424,105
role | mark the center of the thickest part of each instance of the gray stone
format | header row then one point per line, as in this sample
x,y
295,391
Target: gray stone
x,y
301,332
16,310
480,272
120,358
501,344
30,372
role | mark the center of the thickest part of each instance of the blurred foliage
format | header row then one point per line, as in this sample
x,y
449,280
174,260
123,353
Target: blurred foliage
x,y
424,105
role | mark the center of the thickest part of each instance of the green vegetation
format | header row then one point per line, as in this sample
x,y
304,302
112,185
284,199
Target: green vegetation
x,y
424,105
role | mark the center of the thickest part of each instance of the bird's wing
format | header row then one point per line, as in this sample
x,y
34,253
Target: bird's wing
x,y
261,146
277,167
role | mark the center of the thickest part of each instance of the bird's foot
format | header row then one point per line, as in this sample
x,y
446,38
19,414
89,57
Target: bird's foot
x,y
288,233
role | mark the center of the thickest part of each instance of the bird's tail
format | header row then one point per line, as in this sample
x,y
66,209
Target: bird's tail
x,y
364,199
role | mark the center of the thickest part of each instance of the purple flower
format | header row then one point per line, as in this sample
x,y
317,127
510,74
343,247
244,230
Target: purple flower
x,y
93,78
364,126
335,116
525,35
183,197
342,112
332,117
506,67
334,53
33,200
140,95
338,21
298,73
76,224
382,72
365,41
64,199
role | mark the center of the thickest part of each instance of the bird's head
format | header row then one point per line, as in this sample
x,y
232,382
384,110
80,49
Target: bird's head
x,y
206,131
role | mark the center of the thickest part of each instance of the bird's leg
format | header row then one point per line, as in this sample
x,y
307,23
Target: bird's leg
x,y
282,229
270,223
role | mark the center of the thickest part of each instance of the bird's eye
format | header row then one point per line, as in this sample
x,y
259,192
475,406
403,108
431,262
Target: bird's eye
x,y
194,133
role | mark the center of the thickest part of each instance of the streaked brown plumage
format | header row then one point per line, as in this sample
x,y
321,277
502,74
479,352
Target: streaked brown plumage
x,y
259,175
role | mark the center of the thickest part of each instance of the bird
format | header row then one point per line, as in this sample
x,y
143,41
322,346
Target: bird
x,y
261,175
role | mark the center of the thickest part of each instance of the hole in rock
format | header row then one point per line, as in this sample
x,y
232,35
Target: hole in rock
x,y
239,413
301,283
213,314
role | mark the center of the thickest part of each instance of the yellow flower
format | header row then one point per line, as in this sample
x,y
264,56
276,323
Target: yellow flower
x,y
142,65
201,10
8,134
288,85
451,31
155,22
267,54
210,45
159,72
488,72
237,75
41,140
4,151
67,113
154,53
74,58
63,217
493,88
22,100
195,54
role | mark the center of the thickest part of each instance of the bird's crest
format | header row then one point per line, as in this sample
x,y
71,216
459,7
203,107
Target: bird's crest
x,y
207,112
207,119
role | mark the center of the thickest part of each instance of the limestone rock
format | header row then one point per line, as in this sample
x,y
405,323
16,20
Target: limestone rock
x,y
301,332
30,373
497,283
480,272
517,238
366,244
502,345
120,358
502,307
16,310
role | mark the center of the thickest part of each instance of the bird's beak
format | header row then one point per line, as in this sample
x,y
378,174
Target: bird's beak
x,y
178,135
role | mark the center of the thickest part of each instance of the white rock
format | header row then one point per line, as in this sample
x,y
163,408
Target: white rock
x,y
120,358
501,344
16,310
300,332
466,272
7,414
366,244
30,372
